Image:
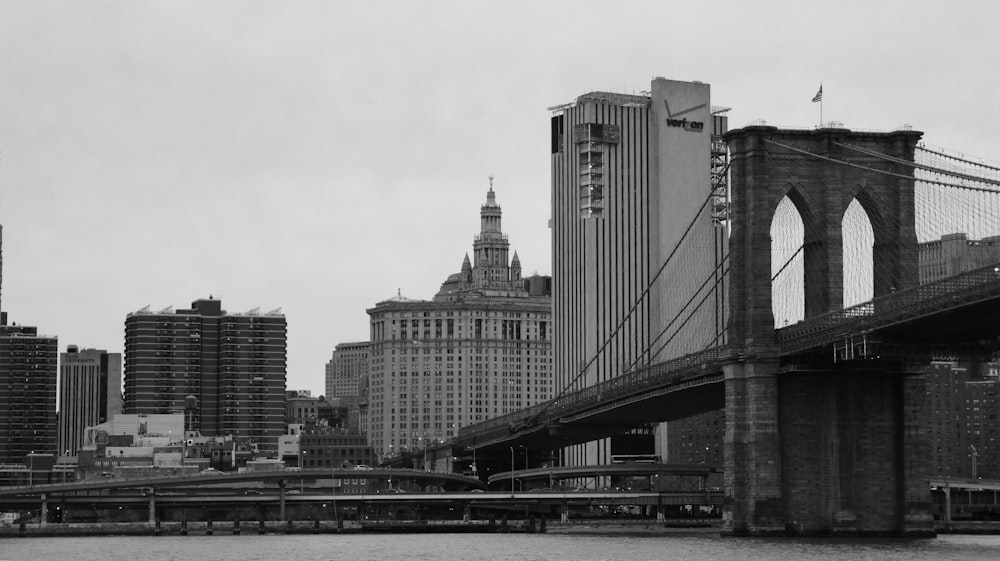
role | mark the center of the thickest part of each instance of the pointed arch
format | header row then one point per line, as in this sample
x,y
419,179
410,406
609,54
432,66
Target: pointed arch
x,y
787,236
858,237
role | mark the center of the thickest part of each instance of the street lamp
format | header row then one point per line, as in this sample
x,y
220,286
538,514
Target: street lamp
x,y
975,454
511,471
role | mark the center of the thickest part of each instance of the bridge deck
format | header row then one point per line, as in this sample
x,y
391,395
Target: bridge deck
x,y
916,306
976,286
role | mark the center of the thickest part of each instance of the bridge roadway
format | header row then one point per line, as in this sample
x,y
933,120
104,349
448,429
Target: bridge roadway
x,y
666,485
477,499
939,317
659,477
243,481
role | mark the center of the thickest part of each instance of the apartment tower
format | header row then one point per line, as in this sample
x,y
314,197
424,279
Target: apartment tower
x,y
233,364
27,389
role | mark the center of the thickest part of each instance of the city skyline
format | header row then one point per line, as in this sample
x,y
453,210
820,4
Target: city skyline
x,y
304,157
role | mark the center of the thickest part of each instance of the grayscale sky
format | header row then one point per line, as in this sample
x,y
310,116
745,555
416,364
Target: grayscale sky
x,y
320,156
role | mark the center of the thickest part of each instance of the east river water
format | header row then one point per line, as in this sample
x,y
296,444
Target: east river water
x,y
496,547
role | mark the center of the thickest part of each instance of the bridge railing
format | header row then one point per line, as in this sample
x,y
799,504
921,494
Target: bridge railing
x,y
889,309
672,371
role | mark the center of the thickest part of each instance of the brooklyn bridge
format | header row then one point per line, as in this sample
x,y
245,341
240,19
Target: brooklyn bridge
x,y
824,383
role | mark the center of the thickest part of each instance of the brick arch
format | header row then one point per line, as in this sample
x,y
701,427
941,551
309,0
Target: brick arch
x,y
766,164
871,213
804,200
787,286
818,244
878,204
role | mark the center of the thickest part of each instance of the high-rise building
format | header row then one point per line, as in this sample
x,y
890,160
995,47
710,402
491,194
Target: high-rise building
x,y
27,393
964,425
346,370
90,393
481,348
632,176
233,364
27,389
3,314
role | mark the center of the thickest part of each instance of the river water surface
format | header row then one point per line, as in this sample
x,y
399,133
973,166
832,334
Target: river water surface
x,y
495,547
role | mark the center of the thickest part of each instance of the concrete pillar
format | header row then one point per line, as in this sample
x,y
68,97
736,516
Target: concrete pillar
x,y
564,514
753,501
915,494
281,500
44,514
947,506
152,505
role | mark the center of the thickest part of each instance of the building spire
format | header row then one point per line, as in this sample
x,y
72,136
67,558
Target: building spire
x,y
491,199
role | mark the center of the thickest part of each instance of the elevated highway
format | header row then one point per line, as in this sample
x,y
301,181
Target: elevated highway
x,y
229,483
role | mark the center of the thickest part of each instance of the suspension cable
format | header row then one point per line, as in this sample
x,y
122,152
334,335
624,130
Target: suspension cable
x,y
719,267
787,263
621,325
917,165
956,158
686,320
883,172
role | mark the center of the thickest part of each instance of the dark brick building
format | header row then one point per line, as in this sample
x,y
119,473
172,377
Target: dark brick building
x,y
234,364
335,448
27,393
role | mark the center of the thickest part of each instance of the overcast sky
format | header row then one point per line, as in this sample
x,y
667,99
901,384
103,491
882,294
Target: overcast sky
x,y
320,156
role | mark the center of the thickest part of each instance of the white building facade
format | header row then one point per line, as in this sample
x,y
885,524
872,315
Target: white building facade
x,y
481,348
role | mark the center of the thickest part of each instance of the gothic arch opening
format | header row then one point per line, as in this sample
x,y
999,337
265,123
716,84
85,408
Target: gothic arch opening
x,y
787,264
858,242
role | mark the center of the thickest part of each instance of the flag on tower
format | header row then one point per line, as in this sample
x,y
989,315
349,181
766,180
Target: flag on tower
x,y
819,94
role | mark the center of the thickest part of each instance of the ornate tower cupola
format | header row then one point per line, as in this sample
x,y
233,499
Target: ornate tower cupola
x,y
490,246
490,213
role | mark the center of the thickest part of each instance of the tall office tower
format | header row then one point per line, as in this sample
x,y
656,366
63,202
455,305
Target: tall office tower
x,y
346,369
481,348
3,314
90,393
633,176
27,393
234,364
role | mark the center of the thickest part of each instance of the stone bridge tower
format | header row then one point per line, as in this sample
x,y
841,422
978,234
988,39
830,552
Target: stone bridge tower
x,y
815,446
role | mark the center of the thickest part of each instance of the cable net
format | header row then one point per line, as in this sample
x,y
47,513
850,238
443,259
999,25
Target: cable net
x,y
957,226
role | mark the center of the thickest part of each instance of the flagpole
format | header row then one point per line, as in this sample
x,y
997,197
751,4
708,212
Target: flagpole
x,y
819,97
